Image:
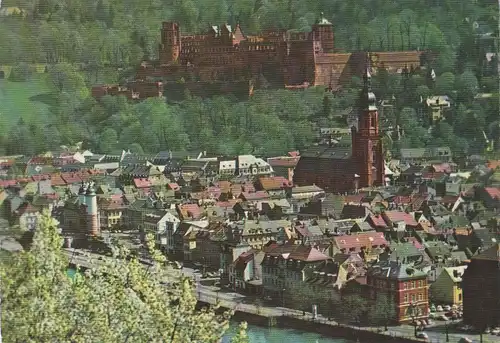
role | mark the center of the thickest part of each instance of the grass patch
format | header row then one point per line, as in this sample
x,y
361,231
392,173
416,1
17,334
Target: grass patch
x,y
29,100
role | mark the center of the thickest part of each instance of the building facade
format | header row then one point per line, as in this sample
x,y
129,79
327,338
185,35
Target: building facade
x,y
405,285
481,289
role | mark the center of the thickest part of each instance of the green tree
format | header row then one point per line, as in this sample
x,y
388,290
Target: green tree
x,y
353,308
119,301
64,77
108,141
445,84
382,311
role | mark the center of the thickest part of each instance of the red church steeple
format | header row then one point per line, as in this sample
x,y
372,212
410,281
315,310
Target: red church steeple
x,y
366,141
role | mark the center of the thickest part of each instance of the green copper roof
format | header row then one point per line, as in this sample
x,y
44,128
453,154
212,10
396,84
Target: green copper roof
x,y
322,20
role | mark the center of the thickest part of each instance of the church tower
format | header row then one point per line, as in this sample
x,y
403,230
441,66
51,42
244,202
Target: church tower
x,y
366,141
170,47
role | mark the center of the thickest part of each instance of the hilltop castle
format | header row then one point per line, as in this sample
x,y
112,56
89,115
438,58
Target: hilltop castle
x,y
224,59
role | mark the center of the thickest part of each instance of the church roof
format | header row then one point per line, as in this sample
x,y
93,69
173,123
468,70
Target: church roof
x,y
328,152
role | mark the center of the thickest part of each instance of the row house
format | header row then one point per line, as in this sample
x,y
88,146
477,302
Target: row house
x,y
163,225
111,212
245,273
207,249
405,285
481,289
274,186
184,239
285,267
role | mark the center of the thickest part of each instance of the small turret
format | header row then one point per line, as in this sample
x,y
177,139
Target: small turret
x,y
90,190
81,194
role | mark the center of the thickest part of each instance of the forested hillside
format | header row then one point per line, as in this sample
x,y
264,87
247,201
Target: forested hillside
x,y
87,42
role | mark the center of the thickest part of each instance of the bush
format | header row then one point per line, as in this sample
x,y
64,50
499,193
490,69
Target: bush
x,y
21,72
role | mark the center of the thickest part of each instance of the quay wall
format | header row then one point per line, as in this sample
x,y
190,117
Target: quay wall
x,y
328,329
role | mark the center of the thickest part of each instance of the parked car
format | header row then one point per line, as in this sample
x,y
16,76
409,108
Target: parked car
x,y
439,308
432,308
447,308
495,331
422,335
487,330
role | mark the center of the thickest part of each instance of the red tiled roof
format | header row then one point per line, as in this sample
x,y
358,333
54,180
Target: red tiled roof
x,y
191,210
378,220
296,252
398,216
274,183
228,204
442,168
293,153
366,239
57,180
39,177
39,160
142,183
71,178
402,200
112,204
225,186
283,162
255,196
7,183
493,192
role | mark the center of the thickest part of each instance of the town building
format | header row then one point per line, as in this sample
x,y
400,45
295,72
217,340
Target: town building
x,y
447,289
405,284
339,168
481,289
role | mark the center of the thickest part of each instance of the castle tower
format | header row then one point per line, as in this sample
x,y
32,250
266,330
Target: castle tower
x,y
92,211
170,46
322,31
366,140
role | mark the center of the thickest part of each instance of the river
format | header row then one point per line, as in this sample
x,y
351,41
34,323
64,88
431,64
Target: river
x,y
259,334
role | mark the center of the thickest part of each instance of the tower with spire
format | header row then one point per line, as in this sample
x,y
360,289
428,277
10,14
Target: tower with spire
x,y
367,147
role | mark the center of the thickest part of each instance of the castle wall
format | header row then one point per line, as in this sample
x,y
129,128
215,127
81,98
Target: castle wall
x,y
329,68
